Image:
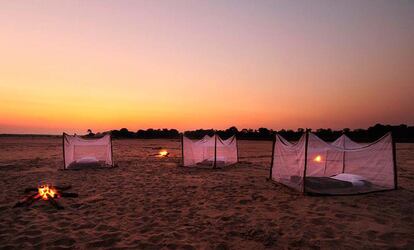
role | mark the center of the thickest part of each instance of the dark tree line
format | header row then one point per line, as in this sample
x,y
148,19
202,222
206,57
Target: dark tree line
x,y
401,133
146,134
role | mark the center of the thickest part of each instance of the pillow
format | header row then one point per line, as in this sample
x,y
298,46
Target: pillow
x,y
356,180
87,160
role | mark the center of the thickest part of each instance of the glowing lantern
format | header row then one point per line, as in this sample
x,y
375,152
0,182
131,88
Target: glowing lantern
x,y
318,158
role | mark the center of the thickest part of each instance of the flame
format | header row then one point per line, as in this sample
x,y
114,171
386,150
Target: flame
x,y
318,158
163,153
46,190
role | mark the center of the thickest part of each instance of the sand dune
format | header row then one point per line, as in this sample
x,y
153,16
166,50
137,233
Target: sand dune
x,y
150,203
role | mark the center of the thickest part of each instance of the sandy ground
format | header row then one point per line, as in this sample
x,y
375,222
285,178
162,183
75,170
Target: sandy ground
x,y
150,203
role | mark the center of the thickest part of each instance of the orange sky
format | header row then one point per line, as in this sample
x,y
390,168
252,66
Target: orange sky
x,y
73,65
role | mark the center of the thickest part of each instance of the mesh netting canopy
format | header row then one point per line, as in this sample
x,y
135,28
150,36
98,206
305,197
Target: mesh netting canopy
x,y
312,165
210,151
346,143
78,152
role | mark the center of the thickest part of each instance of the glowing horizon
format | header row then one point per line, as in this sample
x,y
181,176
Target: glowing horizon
x,y
72,66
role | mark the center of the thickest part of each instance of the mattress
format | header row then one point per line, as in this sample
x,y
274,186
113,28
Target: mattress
x,y
86,162
330,185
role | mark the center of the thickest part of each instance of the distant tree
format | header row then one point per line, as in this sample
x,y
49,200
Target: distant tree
x,y
325,134
264,133
244,131
90,133
232,130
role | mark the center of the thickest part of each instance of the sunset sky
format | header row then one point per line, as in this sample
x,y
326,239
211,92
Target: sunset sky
x,y
73,65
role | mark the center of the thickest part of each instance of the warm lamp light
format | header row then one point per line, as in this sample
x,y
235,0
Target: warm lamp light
x,y
318,158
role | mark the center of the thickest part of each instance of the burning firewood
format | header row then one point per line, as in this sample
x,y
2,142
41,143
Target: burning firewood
x,y
27,201
60,188
30,202
53,202
163,153
46,192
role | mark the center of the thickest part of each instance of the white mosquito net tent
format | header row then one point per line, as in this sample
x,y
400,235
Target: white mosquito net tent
x,y
314,166
79,152
346,143
210,150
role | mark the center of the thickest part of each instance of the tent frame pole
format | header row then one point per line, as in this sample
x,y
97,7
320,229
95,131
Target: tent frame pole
x,y
215,150
394,159
343,156
63,147
112,150
326,162
237,148
273,157
182,149
306,160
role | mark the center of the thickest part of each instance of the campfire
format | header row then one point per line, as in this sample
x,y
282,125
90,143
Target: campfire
x,y
163,153
46,192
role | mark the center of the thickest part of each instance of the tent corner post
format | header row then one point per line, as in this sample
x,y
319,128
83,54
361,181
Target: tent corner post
x,y
326,162
182,149
273,157
343,156
306,160
63,147
112,151
394,160
215,151
237,148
